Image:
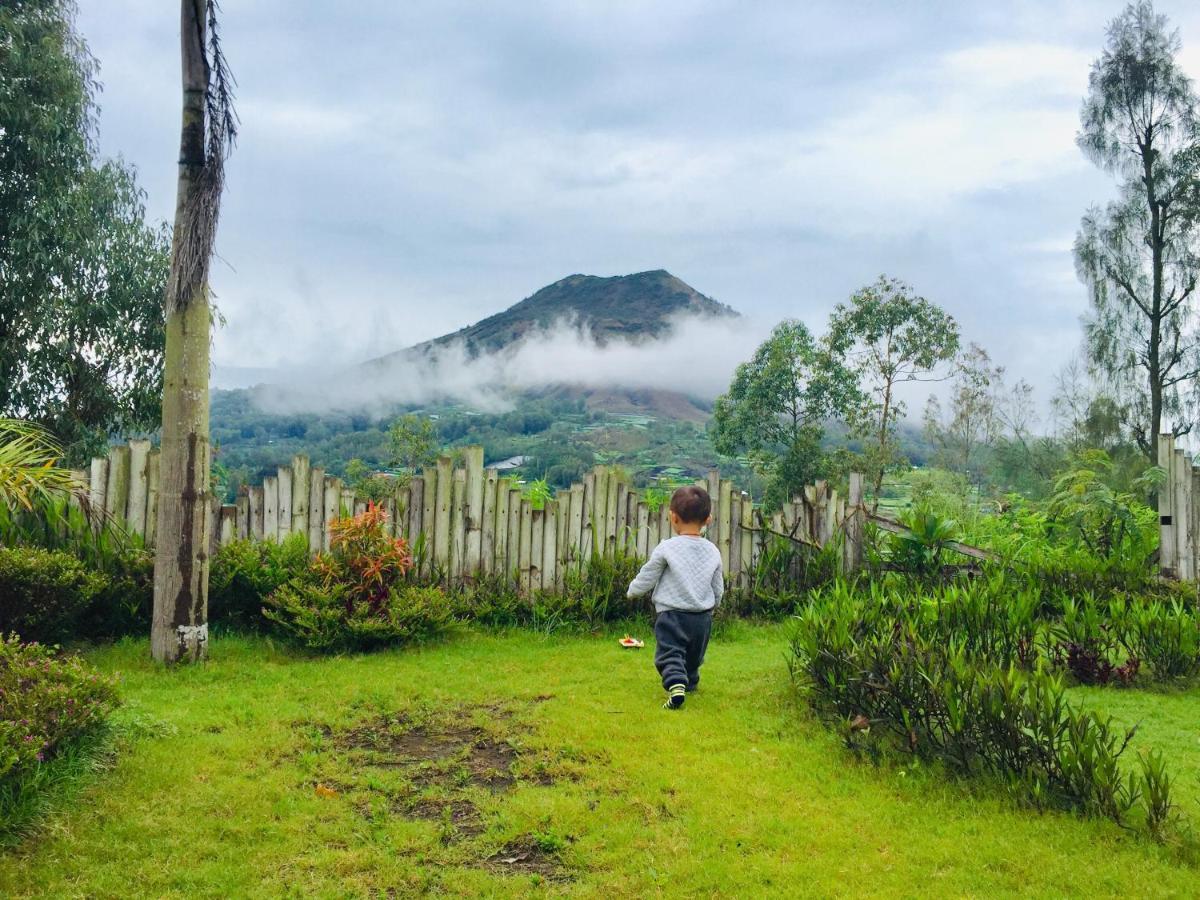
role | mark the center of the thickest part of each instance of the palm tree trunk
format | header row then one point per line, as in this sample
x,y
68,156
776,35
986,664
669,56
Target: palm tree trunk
x,y
179,630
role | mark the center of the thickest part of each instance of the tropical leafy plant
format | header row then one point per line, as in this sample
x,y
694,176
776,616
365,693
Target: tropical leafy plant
x,y
921,548
29,474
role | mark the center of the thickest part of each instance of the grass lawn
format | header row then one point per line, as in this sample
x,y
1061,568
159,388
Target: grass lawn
x,y
504,764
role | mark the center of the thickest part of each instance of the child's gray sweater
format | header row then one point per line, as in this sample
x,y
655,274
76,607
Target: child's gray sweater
x,y
684,573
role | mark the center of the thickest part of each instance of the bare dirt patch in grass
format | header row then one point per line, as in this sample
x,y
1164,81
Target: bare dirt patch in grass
x,y
527,856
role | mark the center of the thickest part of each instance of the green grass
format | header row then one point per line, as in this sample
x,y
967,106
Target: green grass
x,y
742,793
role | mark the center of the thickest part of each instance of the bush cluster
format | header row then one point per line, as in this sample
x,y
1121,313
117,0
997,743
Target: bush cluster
x,y
46,701
357,596
900,676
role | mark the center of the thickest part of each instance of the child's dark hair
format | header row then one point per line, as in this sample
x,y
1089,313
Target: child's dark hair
x,y
692,504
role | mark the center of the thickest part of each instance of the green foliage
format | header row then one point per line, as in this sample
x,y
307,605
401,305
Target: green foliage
x,y
921,549
368,485
47,702
44,593
357,596
414,442
776,407
323,616
784,575
1137,255
28,474
1163,635
882,666
538,492
1104,521
121,568
244,573
890,337
82,275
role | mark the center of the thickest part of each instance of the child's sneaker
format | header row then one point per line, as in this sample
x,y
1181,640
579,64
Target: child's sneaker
x,y
676,694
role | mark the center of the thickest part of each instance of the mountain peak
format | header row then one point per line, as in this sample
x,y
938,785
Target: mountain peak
x,y
639,306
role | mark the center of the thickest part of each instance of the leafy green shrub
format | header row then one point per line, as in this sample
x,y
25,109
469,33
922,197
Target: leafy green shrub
x,y
244,573
493,600
1164,635
119,560
46,701
44,593
595,592
784,575
322,616
873,661
1087,642
920,549
356,596
124,598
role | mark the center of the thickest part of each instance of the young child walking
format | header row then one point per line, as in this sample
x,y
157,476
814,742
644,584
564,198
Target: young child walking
x,y
686,581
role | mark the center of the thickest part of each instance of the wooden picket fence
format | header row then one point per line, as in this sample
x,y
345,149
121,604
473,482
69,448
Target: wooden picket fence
x,y
469,521
1178,512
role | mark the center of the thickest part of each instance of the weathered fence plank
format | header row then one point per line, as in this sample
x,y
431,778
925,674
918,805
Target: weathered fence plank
x,y
487,549
472,511
316,509
300,495
271,508
135,513
285,501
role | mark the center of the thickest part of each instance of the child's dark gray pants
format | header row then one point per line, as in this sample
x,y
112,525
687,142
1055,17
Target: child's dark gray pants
x,y
681,638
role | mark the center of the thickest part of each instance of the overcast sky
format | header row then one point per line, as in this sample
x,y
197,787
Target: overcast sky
x,y
405,168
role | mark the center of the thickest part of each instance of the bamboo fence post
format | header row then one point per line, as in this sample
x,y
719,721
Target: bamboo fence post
x,y
853,552
458,506
550,546
256,513
600,511
139,456
473,509
243,513
316,509
388,505
664,523
712,484
537,536
610,515
562,535
271,508
346,502
1194,525
300,493
116,497
441,523
587,522
285,501
97,487
734,569
416,506
525,550
228,524
652,535
516,534
575,528
724,525
622,516
332,509
487,550
152,475
360,506
746,548
503,535
429,519
642,540
1183,513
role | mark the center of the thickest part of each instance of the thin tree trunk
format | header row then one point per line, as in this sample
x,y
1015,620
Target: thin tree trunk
x,y
180,626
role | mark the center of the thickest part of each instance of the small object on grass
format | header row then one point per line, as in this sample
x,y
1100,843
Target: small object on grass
x,y
323,791
631,642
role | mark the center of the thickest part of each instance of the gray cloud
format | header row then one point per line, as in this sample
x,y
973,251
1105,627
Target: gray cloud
x,y
405,169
